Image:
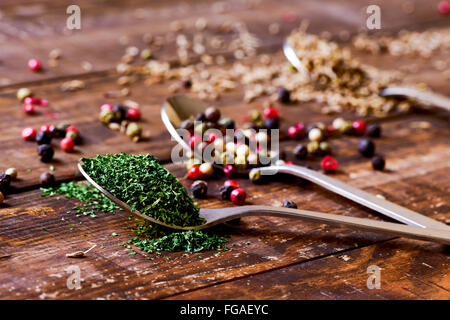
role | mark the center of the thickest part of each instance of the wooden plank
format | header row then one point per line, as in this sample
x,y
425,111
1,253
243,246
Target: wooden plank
x,y
408,270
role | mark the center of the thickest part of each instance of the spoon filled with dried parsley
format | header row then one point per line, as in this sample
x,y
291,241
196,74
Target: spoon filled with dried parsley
x,y
141,186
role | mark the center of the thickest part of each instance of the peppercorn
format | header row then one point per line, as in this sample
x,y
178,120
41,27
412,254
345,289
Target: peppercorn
x,y
206,169
61,129
29,108
46,152
374,130
229,170
284,96
315,134
329,164
300,151
193,173
200,128
232,183
199,189
338,123
12,172
146,54
5,181
43,138
29,134
255,175
200,117
72,135
289,204
313,147
227,123
271,113
187,124
119,112
225,192
23,93
271,123
2,197
294,132
133,114
325,148
67,144
47,179
255,115
238,196
346,127
366,147
359,127
34,64
378,163
106,116
133,130
212,114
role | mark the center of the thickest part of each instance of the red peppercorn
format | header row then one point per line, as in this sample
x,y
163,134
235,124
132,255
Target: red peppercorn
x,y
34,64
29,134
295,132
195,140
444,7
43,102
231,183
288,163
238,196
106,107
271,113
212,137
194,173
229,170
133,114
67,144
32,100
72,128
45,128
359,127
329,164
29,108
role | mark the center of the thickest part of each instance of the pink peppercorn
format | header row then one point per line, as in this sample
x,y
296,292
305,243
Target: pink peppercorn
x,y
45,128
295,132
29,134
231,183
359,127
29,108
34,64
229,170
194,173
444,7
106,107
329,164
133,114
271,113
67,144
238,196
194,141
72,128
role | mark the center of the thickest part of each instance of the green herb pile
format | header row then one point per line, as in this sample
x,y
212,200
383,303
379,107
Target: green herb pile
x,y
146,186
91,198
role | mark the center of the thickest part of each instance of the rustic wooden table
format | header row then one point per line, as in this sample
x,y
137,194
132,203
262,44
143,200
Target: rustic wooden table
x,y
269,258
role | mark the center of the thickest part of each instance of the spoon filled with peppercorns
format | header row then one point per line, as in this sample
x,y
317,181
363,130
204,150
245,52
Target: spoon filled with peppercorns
x,y
179,112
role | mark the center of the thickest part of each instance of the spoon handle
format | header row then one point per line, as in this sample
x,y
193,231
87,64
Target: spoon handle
x,y
427,97
366,199
426,234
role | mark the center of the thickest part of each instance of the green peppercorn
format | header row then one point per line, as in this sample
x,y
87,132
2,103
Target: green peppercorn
x,y
133,130
146,54
23,93
119,112
313,147
47,179
255,115
346,127
212,114
46,152
255,175
60,130
72,135
5,181
199,189
106,116
289,204
325,148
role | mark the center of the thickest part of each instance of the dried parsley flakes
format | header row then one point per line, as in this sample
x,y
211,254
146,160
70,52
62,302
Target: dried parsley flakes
x,y
146,186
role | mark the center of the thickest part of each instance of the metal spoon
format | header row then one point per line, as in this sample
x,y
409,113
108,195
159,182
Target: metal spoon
x,y
216,216
426,97
177,108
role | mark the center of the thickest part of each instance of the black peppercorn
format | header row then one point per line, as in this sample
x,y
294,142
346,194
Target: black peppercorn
x,y
284,96
47,179
225,192
366,147
374,130
46,152
212,114
271,124
43,138
199,189
289,204
301,151
187,124
5,181
119,112
378,163
227,123
200,117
